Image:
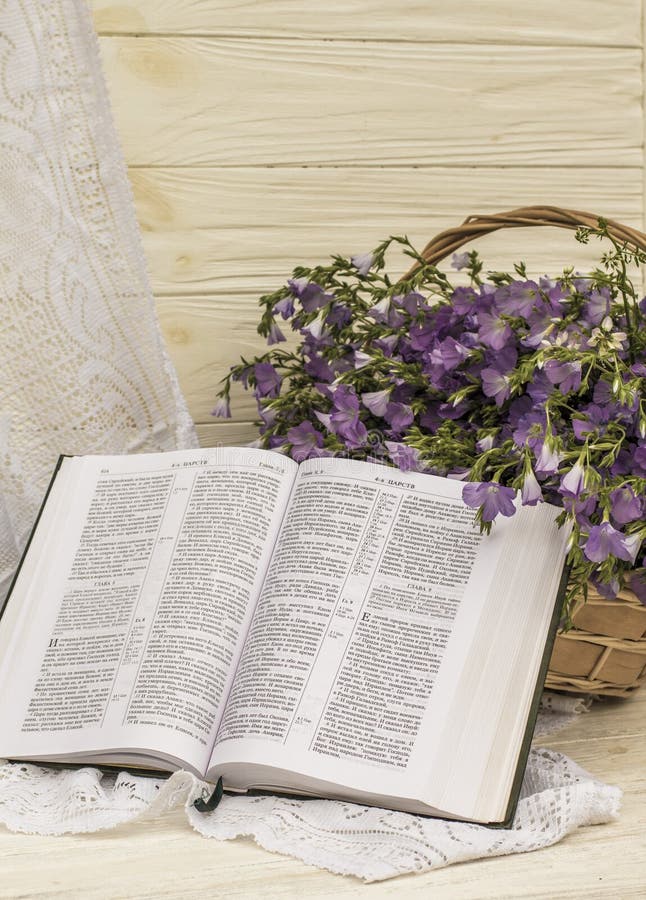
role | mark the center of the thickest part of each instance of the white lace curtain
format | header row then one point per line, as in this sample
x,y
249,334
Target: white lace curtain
x,y
83,366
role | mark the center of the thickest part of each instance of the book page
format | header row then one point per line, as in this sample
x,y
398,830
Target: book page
x,y
365,597
135,618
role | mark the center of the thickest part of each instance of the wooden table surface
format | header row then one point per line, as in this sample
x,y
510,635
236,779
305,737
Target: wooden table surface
x,y
165,858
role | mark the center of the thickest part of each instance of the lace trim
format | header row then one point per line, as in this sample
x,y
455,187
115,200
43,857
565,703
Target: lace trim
x,y
557,797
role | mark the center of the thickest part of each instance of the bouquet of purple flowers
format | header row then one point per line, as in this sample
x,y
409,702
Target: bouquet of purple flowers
x,y
507,383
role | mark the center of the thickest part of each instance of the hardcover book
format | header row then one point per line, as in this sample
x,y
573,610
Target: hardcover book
x,y
335,629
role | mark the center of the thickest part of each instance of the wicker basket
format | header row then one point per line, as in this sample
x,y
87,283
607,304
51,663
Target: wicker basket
x,y
605,653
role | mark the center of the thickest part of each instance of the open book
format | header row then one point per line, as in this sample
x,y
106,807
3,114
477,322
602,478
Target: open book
x,y
338,628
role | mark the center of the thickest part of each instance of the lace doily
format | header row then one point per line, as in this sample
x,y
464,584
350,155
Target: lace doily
x,y
557,797
83,365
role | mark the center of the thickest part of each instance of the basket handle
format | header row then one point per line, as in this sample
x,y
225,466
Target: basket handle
x,y
449,241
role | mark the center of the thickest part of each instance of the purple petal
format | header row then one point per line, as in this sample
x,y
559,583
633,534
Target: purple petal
x,y
540,388
379,312
268,380
625,505
285,307
492,497
604,541
318,367
405,458
362,262
463,300
361,359
275,335
345,398
518,298
530,492
547,460
411,302
493,331
338,316
460,260
399,416
350,428
222,408
607,589
572,483
305,440
324,419
452,353
311,295
597,307
566,374
376,401
495,385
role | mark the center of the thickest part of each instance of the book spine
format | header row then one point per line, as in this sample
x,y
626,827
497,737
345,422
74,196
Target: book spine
x,y
33,531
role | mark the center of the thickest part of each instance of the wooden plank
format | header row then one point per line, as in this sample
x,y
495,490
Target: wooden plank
x,y
205,337
242,229
574,23
212,101
226,434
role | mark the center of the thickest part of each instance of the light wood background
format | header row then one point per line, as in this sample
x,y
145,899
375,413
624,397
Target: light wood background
x,y
260,134
264,133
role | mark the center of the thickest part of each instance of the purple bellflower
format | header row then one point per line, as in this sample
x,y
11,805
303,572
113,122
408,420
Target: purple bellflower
x,y
268,380
222,409
625,505
311,295
530,492
495,384
604,540
494,498
275,335
285,307
377,401
362,262
547,460
306,441
567,375
405,458
460,260
493,331
344,419
399,416
573,482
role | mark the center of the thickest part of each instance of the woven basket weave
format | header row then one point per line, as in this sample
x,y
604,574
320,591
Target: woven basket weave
x,y
605,652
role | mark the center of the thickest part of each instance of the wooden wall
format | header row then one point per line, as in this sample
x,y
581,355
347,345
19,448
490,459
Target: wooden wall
x,y
260,134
